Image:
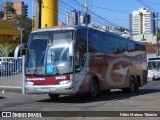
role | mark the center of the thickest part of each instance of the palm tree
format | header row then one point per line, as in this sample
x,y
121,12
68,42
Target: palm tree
x,y
5,50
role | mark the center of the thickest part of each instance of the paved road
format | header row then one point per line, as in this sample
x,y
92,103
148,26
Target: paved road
x,y
147,99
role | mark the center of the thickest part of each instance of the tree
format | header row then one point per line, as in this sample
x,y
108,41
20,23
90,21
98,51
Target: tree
x,y
5,50
20,22
9,9
158,35
1,14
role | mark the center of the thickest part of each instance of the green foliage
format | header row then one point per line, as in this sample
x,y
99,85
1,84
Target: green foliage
x,y
5,50
20,22
1,14
158,35
9,8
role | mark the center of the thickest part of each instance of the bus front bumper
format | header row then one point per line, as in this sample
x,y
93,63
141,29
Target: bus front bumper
x,y
50,89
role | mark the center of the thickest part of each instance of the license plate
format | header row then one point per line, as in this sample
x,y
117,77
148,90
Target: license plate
x,y
42,90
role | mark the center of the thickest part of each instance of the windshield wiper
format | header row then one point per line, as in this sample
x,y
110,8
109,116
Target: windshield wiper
x,y
38,65
56,70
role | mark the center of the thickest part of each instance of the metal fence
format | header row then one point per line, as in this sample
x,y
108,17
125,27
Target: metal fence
x,y
11,73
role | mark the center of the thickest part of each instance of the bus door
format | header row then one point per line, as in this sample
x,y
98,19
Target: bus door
x,y
80,56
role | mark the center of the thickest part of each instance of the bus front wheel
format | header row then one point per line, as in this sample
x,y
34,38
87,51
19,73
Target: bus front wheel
x,y
93,88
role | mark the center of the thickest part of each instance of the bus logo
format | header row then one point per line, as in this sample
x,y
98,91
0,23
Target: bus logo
x,y
122,71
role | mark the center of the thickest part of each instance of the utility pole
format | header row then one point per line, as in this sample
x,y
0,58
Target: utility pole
x,y
45,13
86,7
36,14
86,15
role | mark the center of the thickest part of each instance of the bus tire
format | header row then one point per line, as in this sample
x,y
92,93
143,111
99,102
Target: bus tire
x,y
131,87
108,91
153,78
136,89
54,96
93,88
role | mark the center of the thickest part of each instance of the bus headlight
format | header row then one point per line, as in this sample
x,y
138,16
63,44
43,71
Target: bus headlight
x,y
65,82
29,83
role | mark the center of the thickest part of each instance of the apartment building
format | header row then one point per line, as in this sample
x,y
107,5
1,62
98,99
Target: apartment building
x,y
143,24
143,21
19,7
73,18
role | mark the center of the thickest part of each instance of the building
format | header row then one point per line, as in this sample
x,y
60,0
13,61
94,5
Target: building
x,y
143,21
74,18
19,7
7,31
143,24
61,24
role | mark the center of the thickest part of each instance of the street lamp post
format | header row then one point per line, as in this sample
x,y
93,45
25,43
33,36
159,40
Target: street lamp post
x,y
21,39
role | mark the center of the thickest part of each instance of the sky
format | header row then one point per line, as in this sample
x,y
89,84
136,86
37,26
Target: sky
x,y
113,11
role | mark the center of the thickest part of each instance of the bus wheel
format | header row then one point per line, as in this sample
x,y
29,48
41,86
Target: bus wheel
x,y
153,78
136,89
93,88
54,96
131,87
134,85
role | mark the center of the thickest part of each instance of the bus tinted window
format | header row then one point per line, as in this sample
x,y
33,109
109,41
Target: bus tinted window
x,y
81,48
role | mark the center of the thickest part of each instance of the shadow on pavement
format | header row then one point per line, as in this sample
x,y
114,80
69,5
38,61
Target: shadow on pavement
x,y
2,97
113,95
156,80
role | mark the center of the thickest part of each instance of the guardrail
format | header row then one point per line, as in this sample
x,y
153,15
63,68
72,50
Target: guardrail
x,y
12,73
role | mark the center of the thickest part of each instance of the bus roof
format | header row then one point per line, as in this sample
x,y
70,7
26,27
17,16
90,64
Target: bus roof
x,y
76,27
72,27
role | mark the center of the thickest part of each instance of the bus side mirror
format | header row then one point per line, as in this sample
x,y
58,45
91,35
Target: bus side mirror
x,y
25,45
17,50
71,48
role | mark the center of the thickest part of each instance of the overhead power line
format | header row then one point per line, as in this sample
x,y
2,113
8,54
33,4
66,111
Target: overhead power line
x,y
61,11
143,3
108,22
113,10
79,5
76,5
152,2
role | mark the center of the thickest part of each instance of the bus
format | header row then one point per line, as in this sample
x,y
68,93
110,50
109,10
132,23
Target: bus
x,y
154,68
78,59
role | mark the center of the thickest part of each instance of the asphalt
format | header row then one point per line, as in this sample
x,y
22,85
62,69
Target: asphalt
x,y
145,100
10,96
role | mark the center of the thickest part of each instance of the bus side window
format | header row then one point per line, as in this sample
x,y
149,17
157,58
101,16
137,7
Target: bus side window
x,y
81,49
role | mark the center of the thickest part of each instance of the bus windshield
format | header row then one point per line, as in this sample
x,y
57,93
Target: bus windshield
x,y
48,53
154,65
